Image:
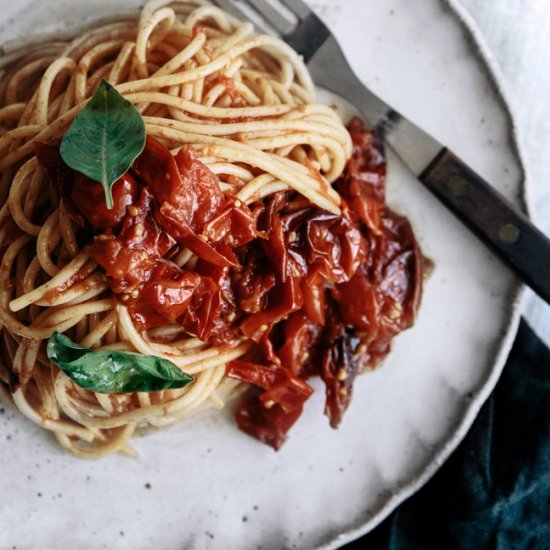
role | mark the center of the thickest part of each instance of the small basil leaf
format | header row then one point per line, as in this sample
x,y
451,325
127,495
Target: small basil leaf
x,y
113,371
104,139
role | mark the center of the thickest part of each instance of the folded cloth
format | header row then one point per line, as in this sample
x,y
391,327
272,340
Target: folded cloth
x,y
494,491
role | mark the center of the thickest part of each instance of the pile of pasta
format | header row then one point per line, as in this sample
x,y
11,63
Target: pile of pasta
x,y
244,105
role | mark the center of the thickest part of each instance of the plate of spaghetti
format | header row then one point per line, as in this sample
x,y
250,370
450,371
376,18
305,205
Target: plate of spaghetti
x,y
191,239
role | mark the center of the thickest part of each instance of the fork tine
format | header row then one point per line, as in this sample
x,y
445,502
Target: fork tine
x,y
244,11
299,8
230,6
276,19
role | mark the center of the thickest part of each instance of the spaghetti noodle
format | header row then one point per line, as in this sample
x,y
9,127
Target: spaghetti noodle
x,y
237,107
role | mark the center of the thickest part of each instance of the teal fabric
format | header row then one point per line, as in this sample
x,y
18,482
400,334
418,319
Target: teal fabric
x,y
494,491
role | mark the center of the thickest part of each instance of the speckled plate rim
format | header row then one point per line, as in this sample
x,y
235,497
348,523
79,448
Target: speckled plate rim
x,y
403,492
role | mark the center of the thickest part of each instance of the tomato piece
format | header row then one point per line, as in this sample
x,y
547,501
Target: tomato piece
x,y
145,316
170,296
256,281
200,301
202,183
89,197
188,196
223,329
275,246
289,394
270,426
157,168
185,189
282,387
404,269
335,248
283,299
258,375
363,200
357,303
363,183
83,197
234,225
267,347
269,415
216,255
129,257
302,339
339,369
387,292
205,307
314,298
368,158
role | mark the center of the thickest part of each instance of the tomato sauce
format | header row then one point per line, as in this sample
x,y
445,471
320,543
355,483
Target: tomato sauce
x,y
320,294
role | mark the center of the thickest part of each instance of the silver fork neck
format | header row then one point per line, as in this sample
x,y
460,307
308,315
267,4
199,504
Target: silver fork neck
x,y
331,70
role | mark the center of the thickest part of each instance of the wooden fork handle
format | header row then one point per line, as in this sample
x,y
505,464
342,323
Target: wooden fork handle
x,y
506,230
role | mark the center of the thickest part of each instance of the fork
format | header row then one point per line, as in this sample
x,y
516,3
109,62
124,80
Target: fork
x,y
504,229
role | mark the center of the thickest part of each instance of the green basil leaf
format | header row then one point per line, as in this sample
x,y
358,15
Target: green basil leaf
x,y
114,371
104,139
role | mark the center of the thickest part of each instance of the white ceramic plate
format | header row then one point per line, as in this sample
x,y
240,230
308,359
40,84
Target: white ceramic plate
x,y
204,484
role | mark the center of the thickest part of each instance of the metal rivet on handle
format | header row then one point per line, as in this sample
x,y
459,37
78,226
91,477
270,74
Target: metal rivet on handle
x,y
509,234
458,186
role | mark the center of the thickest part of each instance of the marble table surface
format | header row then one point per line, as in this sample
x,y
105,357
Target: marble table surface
x,y
518,35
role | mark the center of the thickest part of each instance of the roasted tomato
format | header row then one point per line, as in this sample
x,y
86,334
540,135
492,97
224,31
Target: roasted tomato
x,y
129,256
363,182
319,294
186,191
170,291
89,198
282,300
334,247
270,426
84,198
301,340
338,370
270,414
